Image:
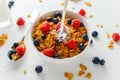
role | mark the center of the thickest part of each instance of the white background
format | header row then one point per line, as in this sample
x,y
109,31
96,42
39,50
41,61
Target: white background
x,y
105,12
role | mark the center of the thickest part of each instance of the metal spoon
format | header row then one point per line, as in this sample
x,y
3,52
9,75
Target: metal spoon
x,y
62,34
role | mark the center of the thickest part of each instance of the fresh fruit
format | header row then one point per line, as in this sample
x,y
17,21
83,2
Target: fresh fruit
x,y
94,34
45,27
82,12
85,37
69,21
75,23
81,46
49,19
10,54
39,69
116,37
48,52
56,56
43,37
55,20
71,44
20,50
10,4
102,61
15,45
58,41
91,41
20,21
82,25
36,42
57,14
96,60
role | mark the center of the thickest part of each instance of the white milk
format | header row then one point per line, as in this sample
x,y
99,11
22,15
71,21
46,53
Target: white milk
x,y
4,14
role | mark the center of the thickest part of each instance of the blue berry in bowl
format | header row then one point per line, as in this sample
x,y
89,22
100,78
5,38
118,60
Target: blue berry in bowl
x,y
58,41
85,37
49,19
94,34
102,61
95,60
43,37
36,42
69,21
56,56
81,46
81,24
55,20
39,69
57,14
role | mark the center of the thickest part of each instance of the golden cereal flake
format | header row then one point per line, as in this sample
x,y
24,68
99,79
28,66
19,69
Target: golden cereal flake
x,y
83,67
62,3
111,42
81,72
88,75
110,46
90,16
28,16
107,35
88,4
15,57
68,75
25,72
3,38
40,1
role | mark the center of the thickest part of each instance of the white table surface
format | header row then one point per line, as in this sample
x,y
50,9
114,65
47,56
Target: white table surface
x,y
105,12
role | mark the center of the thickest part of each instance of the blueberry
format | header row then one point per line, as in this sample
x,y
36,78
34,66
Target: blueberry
x,y
43,37
69,21
57,14
11,2
56,56
81,46
94,34
102,61
39,69
15,45
9,5
85,37
10,54
96,60
58,41
55,20
81,24
91,41
36,42
49,19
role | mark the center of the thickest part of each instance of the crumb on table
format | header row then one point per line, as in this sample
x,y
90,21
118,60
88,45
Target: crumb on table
x,y
68,75
88,75
25,72
62,3
88,4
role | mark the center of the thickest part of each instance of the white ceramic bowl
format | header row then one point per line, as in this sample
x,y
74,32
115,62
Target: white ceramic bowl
x,y
65,60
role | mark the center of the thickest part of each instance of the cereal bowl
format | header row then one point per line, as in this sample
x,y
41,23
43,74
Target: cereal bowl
x,y
44,37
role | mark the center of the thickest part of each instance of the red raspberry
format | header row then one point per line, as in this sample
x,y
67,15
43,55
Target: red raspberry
x,y
82,12
116,37
58,26
20,50
20,21
71,44
75,23
45,27
48,52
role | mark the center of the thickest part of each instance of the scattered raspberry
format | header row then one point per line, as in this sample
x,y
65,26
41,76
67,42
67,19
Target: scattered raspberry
x,y
48,52
20,21
45,27
75,23
71,44
116,37
82,12
20,50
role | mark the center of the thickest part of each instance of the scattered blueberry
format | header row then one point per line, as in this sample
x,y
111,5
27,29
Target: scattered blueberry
x,y
69,21
81,46
36,42
102,61
56,56
10,54
10,4
49,19
81,24
91,41
57,14
96,60
15,44
38,69
58,41
55,20
43,37
85,37
94,34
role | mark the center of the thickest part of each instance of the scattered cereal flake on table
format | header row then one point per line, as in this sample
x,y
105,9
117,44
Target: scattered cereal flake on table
x,y
117,25
68,75
25,72
88,4
62,3
40,1
75,0
107,35
3,38
90,16
81,72
28,16
83,67
100,25
110,44
88,75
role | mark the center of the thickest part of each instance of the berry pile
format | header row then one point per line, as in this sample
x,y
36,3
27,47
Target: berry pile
x,y
18,50
96,60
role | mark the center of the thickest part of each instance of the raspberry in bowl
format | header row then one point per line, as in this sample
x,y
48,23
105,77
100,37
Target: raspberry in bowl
x,y
44,36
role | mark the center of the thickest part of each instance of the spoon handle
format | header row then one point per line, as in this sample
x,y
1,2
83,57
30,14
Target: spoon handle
x,y
33,18
63,16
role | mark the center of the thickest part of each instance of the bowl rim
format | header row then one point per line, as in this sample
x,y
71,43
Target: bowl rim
x,y
64,60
